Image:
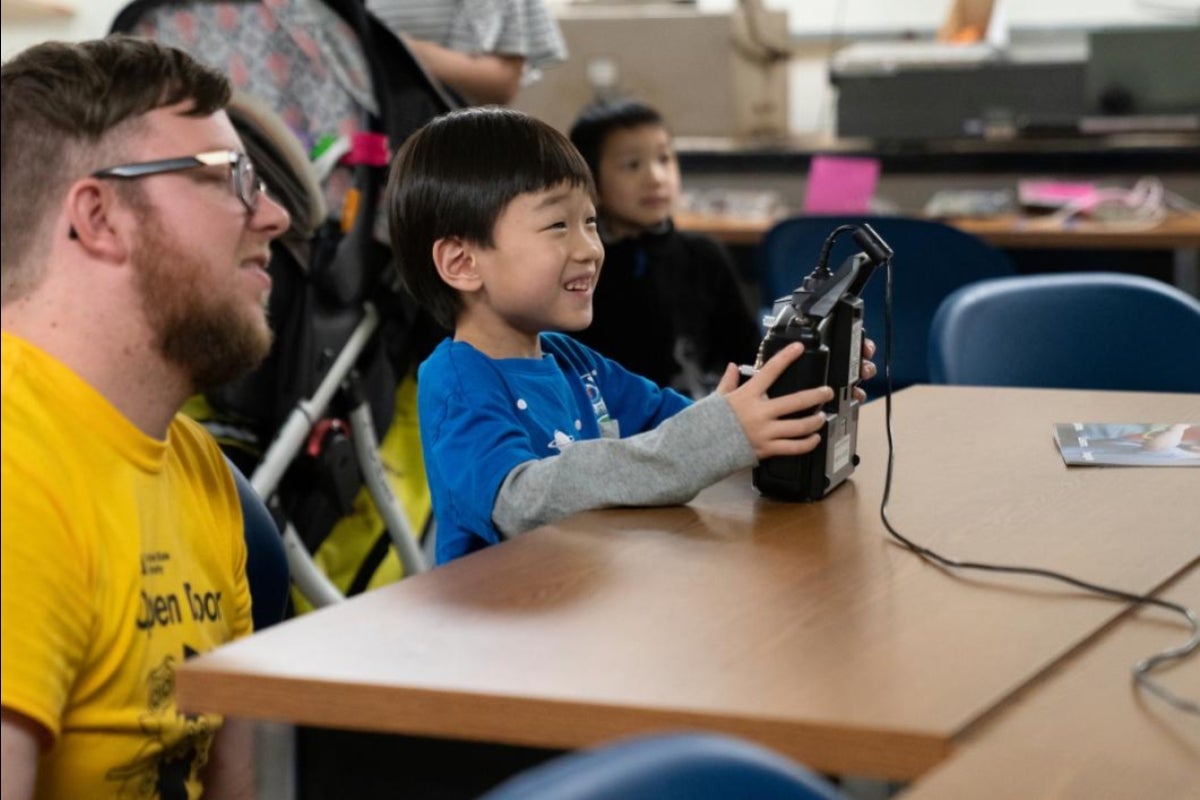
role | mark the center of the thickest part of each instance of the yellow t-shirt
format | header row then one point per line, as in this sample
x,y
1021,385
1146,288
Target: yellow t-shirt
x,y
122,556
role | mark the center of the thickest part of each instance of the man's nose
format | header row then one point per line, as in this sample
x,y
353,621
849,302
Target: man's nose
x,y
270,217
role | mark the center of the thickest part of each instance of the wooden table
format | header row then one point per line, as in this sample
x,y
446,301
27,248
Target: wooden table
x,y
724,228
1085,733
802,627
1177,231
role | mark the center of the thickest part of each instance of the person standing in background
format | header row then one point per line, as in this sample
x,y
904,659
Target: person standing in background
x,y
481,49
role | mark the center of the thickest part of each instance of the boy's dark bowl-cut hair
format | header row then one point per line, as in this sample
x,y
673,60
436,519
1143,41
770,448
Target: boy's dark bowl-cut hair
x,y
455,176
596,123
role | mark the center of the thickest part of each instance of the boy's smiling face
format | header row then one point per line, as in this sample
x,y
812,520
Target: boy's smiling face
x,y
539,275
637,178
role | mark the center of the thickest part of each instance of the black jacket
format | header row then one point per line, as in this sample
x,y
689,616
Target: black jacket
x,y
669,307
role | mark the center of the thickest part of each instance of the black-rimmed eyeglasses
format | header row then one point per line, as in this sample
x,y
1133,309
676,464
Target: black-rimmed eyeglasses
x,y
246,184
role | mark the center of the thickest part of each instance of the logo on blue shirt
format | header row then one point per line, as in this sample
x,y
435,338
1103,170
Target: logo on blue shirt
x,y
594,396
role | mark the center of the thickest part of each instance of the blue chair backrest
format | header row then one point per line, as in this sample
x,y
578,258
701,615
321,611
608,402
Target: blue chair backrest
x,y
1083,330
932,259
266,562
696,766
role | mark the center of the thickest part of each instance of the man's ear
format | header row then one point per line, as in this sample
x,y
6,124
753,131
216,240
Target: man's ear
x,y
93,214
455,261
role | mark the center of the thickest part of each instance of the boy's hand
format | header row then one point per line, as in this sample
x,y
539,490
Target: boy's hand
x,y
762,417
868,369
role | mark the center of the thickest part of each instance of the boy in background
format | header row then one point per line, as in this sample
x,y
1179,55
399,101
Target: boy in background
x,y
670,307
494,228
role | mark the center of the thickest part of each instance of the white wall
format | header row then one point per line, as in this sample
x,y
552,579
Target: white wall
x,y
810,98
825,17
91,19
806,17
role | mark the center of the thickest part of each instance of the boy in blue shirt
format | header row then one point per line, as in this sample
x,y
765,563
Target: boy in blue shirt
x,y
493,223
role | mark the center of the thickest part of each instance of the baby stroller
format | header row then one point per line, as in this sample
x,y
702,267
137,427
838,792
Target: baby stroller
x,y
330,77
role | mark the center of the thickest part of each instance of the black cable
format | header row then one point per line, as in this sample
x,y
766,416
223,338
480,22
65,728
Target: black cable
x,y
822,268
1141,670
787,316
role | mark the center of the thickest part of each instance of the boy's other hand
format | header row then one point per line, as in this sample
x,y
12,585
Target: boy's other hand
x,y
868,369
762,417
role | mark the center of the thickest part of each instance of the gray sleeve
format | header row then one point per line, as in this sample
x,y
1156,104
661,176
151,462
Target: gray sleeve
x,y
665,466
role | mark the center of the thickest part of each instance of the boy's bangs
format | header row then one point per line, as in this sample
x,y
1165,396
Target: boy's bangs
x,y
555,162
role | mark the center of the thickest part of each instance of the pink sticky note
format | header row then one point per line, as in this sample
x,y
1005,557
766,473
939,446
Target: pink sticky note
x,y
1055,194
840,185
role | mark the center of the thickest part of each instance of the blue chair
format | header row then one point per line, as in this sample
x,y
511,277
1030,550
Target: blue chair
x,y
683,766
266,563
932,259
1083,330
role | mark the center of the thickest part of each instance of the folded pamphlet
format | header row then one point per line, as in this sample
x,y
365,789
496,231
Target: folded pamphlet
x,y
1148,444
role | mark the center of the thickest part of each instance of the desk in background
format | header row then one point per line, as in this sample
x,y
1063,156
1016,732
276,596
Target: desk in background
x,y
802,627
1179,233
913,170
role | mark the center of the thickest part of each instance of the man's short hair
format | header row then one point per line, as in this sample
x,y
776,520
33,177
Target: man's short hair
x,y
596,123
58,104
454,178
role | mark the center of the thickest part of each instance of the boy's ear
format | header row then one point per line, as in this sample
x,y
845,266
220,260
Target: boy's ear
x,y
455,262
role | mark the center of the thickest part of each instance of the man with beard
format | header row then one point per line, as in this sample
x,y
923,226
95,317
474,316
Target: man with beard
x,y
132,275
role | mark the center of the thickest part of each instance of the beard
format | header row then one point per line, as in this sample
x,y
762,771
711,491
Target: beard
x,y
206,330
